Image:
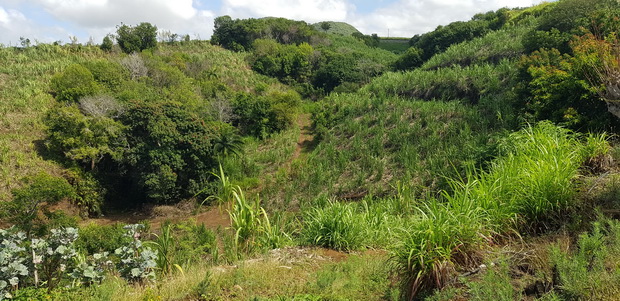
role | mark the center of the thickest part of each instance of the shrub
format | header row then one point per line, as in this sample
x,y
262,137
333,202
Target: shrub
x,y
337,226
412,58
73,83
30,208
100,239
590,271
137,262
109,74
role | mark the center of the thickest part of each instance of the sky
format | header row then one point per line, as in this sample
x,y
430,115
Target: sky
x,y
47,21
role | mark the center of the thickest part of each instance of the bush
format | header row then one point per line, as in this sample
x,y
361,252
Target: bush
x,y
107,73
99,239
337,226
73,83
590,272
412,58
30,208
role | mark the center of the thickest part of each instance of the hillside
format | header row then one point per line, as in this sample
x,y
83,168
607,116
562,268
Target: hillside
x,y
283,160
339,28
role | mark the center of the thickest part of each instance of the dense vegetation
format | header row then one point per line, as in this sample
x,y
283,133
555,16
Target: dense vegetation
x,y
480,163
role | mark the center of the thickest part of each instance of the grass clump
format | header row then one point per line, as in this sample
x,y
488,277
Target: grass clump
x,y
337,226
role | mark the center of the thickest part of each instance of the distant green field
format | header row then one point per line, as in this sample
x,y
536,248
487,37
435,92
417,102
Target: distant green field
x,y
396,45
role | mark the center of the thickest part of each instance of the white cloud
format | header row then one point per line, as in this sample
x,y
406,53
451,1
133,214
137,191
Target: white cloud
x,y
14,24
307,10
408,17
100,17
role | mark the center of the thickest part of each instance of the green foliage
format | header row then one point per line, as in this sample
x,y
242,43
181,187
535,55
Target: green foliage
x,y
12,260
261,116
54,255
101,239
165,139
92,272
412,58
495,284
442,37
529,185
137,262
590,272
288,63
368,144
431,241
337,69
239,34
29,209
136,38
555,87
85,139
471,83
106,44
336,226
108,74
568,15
90,195
227,141
185,244
252,227
73,83
339,28
491,48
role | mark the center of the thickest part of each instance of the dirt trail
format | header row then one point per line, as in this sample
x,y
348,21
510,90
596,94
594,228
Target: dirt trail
x,y
212,217
305,142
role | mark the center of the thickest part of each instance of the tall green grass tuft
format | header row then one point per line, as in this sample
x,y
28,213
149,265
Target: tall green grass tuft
x,y
431,243
337,226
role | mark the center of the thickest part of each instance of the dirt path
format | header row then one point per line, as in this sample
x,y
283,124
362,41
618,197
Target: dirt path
x,y
212,217
305,142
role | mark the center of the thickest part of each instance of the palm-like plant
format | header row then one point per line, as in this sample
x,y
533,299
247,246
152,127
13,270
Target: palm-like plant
x,y
227,141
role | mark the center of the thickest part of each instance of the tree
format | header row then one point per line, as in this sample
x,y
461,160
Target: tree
x,y
326,26
82,138
227,141
138,38
107,44
40,192
412,58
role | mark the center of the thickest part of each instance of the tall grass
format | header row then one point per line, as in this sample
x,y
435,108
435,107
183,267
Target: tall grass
x,y
491,48
453,83
529,186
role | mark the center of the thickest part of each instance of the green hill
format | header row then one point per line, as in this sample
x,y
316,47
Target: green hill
x,y
340,28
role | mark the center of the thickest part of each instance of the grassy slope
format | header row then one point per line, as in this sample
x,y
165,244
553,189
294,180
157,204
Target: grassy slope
x,y
339,28
376,142
24,96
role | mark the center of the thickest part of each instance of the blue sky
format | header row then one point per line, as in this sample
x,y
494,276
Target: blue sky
x,y
57,20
